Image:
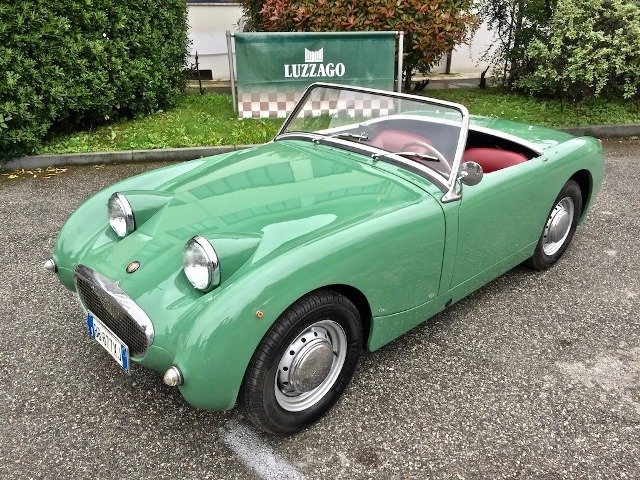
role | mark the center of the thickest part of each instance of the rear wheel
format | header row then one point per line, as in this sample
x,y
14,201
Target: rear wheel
x,y
559,228
303,363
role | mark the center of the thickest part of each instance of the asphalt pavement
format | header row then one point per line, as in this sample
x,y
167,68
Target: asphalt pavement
x,y
536,375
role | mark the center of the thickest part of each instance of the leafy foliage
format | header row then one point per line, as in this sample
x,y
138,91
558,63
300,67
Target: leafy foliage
x,y
431,27
566,48
516,23
592,48
85,61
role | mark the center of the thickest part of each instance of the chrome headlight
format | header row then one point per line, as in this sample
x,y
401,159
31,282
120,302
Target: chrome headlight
x,y
120,215
201,264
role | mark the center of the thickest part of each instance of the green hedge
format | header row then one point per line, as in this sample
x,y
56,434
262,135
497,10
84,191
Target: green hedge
x,y
83,62
592,48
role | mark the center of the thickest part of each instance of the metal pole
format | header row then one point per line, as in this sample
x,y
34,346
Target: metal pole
x,y
232,75
400,61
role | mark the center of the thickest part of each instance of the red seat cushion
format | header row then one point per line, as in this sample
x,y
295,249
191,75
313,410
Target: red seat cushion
x,y
394,140
492,159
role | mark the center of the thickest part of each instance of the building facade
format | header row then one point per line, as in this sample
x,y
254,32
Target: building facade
x,y
208,22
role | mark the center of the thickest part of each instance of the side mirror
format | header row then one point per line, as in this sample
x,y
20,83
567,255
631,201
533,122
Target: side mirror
x,y
470,173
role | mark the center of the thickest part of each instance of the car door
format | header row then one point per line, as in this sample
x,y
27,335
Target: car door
x,y
499,219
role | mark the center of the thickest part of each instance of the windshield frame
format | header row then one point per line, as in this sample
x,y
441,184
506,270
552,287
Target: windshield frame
x,y
450,185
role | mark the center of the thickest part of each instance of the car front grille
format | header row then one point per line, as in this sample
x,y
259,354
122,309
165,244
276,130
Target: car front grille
x,y
98,296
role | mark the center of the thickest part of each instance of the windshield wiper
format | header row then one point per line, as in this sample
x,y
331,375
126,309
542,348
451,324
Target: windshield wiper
x,y
421,156
350,136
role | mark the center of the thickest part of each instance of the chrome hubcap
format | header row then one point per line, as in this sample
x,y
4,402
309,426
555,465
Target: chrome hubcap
x,y
310,365
558,225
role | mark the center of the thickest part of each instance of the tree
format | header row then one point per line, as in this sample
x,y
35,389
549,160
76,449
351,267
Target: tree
x,y
516,23
432,27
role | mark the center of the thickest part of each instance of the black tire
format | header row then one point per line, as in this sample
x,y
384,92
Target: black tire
x,y
258,396
547,253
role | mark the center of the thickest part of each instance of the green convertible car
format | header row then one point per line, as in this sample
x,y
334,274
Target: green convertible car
x,y
259,276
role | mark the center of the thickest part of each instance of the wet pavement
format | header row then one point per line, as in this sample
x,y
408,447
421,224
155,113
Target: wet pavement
x,y
536,375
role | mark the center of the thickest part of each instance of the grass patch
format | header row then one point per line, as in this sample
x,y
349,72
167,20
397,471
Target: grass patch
x,y
197,120
495,102
206,120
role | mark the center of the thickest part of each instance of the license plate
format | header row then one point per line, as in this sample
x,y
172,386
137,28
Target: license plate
x,y
109,341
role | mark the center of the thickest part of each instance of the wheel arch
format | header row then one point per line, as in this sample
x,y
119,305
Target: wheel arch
x,y
360,301
353,294
585,181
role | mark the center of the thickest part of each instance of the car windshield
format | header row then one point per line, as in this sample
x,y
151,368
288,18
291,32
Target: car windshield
x,y
420,130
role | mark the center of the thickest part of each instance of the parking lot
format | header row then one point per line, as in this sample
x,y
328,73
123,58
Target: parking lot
x,y
535,375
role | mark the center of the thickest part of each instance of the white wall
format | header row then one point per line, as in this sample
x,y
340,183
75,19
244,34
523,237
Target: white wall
x,y
207,26
465,59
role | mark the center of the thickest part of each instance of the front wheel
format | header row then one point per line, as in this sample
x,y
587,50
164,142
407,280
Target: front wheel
x,y
559,228
303,363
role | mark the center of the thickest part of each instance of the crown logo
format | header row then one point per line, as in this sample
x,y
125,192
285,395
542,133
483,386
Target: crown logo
x,y
311,56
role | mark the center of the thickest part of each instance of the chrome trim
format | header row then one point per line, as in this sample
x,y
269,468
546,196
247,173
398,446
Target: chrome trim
x,y
113,290
212,260
50,265
470,173
310,365
558,225
128,213
173,377
454,191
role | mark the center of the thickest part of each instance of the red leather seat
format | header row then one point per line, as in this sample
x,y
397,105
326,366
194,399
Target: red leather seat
x,y
395,140
492,159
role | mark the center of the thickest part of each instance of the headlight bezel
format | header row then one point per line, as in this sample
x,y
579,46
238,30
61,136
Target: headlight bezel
x,y
121,201
211,262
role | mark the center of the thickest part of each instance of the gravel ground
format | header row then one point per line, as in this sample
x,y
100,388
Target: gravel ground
x,y
535,375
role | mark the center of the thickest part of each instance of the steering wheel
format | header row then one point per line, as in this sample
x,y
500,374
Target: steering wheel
x,y
431,149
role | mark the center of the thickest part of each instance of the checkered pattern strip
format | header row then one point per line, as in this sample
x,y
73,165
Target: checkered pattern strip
x,y
266,105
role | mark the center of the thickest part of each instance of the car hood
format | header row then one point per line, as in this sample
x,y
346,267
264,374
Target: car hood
x,y
250,204
279,191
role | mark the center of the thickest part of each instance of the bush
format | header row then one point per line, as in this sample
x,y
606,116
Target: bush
x,y
592,48
431,28
66,62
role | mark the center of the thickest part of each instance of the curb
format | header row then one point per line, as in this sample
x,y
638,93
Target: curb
x,y
183,154
127,156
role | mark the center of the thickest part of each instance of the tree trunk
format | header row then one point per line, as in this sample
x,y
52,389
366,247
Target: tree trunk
x,y
407,78
518,47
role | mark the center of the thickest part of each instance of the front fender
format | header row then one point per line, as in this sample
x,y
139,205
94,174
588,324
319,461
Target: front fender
x,y
370,257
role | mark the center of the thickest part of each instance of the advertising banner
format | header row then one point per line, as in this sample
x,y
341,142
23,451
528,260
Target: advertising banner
x,y
273,69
